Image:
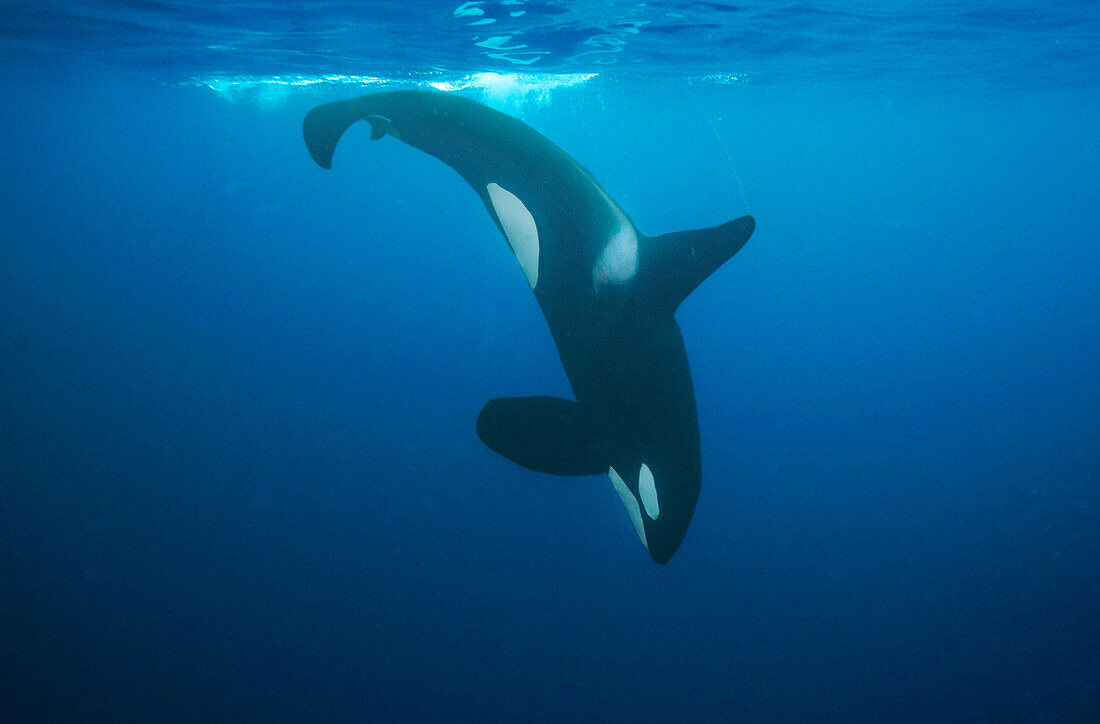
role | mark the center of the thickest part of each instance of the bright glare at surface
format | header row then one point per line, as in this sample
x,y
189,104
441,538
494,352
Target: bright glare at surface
x,y
523,86
497,86
272,89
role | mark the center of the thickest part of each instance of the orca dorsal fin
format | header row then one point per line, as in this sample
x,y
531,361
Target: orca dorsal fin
x,y
678,262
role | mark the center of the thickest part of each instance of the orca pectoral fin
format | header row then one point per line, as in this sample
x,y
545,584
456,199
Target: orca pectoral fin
x,y
544,434
683,259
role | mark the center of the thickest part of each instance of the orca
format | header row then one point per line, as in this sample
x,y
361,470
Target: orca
x,y
608,293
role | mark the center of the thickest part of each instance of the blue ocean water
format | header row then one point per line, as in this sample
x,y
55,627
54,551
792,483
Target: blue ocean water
x,y
239,477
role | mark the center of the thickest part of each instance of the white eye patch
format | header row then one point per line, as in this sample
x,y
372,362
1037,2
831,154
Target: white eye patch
x,y
647,490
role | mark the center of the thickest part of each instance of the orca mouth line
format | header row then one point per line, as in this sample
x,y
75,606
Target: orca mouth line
x,y
608,292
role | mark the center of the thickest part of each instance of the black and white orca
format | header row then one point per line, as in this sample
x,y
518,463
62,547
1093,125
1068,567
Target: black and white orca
x,y
608,293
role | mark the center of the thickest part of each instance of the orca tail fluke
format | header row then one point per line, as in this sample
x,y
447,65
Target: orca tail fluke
x,y
683,259
323,126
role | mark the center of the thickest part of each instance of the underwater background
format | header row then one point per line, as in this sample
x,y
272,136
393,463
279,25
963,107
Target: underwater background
x,y
239,477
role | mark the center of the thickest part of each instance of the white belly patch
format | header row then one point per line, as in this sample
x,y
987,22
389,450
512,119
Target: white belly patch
x,y
630,503
519,228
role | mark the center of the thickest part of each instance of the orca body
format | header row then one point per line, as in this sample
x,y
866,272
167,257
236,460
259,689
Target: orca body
x,y
608,293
